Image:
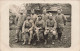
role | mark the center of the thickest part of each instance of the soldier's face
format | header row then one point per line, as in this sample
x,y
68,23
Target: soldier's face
x,y
59,11
39,18
29,18
44,11
21,13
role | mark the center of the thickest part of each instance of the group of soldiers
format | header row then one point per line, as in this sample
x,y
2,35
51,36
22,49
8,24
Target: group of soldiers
x,y
39,25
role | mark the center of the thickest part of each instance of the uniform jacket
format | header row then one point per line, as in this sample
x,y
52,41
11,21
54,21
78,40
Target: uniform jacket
x,y
45,17
61,20
27,25
20,20
51,23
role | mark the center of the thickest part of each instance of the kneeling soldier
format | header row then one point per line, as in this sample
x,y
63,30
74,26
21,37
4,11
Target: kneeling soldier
x,y
27,27
50,26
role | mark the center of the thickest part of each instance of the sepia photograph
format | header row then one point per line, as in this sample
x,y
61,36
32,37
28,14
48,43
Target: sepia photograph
x,y
40,25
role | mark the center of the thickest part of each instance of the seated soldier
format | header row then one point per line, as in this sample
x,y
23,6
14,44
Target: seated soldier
x,y
50,26
39,25
27,27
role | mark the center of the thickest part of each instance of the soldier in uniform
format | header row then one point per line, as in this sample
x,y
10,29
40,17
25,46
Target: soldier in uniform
x,y
50,26
19,22
34,17
45,15
61,21
27,28
39,25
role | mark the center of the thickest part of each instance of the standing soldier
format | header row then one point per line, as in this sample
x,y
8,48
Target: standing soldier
x,y
19,22
27,28
61,21
50,26
45,15
34,17
39,25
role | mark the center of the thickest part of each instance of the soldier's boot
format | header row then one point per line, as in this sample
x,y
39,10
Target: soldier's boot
x,y
46,38
35,38
34,44
53,43
24,43
17,36
17,39
59,36
53,39
38,39
45,42
24,39
29,42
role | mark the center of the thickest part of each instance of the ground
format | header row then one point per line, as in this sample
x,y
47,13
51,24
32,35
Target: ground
x,y
65,43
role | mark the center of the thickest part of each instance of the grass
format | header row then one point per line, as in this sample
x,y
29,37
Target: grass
x,y
65,43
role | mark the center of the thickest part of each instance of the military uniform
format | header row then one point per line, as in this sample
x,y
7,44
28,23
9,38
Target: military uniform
x,y
27,28
39,25
34,17
45,16
61,21
19,22
50,26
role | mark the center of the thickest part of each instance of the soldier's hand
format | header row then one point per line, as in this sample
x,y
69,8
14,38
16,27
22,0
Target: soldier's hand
x,y
51,30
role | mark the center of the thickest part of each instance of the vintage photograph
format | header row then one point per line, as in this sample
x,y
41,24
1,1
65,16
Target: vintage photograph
x,y
40,25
